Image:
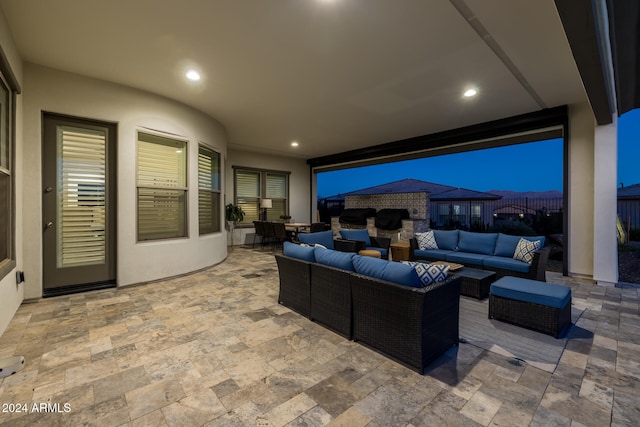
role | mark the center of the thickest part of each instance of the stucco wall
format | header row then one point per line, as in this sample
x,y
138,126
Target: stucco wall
x,y
56,91
11,295
581,190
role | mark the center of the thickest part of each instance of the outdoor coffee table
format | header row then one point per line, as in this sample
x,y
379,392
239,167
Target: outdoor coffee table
x,y
475,282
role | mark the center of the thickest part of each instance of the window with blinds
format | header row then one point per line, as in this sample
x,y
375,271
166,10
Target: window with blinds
x,y
276,190
248,194
252,185
162,187
9,88
81,198
208,190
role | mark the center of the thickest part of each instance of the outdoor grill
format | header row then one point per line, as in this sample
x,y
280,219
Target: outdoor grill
x,y
356,216
391,219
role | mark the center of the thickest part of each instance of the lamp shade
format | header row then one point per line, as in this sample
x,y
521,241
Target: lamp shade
x,y
266,203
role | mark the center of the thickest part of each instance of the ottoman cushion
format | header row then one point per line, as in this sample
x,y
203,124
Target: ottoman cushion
x,y
547,294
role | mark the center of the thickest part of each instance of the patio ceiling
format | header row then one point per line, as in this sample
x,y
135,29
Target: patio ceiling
x,y
333,75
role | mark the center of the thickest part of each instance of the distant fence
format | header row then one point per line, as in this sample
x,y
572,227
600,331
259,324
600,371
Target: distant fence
x,y
545,216
629,212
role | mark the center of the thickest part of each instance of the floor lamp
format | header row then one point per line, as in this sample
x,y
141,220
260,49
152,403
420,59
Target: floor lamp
x,y
264,205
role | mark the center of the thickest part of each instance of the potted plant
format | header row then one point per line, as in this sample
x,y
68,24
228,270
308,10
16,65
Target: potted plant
x,y
233,214
285,218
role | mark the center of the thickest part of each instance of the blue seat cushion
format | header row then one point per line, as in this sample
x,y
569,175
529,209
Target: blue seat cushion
x,y
506,264
305,253
436,254
466,258
386,270
446,239
359,234
337,259
324,238
506,244
383,251
479,243
519,289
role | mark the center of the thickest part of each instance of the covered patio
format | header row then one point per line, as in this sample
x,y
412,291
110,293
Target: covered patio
x,y
215,348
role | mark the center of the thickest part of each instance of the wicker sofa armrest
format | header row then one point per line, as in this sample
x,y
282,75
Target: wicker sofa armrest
x,y
295,284
539,263
413,245
348,245
380,242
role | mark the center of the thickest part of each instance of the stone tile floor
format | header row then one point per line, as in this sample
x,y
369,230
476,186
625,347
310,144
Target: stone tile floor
x,y
214,348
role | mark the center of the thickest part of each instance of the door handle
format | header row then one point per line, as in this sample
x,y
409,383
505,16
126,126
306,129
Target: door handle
x,y
48,190
48,225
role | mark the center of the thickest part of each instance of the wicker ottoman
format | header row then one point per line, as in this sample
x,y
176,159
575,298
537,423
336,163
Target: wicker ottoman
x,y
539,306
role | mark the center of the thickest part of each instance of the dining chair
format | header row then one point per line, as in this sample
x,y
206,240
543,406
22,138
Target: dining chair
x,y
281,234
259,232
269,233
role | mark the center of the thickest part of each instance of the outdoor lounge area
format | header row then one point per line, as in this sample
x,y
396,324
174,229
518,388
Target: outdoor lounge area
x,y
215,348
142,146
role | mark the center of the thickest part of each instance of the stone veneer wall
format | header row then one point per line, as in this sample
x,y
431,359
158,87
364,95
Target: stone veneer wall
x,y
416,203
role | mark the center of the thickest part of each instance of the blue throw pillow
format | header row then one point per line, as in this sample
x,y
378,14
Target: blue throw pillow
x,y
429,273
359,234
337,259
324,238
506,244
305,253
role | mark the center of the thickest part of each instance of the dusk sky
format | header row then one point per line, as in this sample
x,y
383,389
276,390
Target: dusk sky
x,y
536,166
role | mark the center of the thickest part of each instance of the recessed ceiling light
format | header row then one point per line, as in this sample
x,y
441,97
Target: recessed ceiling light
x,y
294,144
470,92
193,75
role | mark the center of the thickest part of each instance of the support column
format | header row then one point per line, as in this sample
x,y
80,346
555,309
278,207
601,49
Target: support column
x,y
605,169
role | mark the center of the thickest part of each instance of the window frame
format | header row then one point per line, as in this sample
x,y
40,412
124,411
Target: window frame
x,y
12,86
217,191
262,185
184,189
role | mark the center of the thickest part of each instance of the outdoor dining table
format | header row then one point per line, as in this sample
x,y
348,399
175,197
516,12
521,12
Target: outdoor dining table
x,y
296,227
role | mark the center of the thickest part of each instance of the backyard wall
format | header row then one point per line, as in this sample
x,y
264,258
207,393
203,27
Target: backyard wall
x,y
416,203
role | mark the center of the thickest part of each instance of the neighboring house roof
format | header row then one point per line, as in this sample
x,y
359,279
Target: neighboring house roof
x,y
407,185
464,194
436,191
630,192
508,194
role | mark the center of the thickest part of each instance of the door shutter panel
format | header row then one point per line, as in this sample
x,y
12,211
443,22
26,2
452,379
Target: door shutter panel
x,y
81,197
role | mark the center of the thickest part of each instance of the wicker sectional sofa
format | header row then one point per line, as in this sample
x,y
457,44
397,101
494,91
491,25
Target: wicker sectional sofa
x,y
411,325
487,251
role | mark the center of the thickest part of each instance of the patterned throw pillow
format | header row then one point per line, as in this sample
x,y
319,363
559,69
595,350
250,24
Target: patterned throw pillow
x,y
426,241
429,273
525,249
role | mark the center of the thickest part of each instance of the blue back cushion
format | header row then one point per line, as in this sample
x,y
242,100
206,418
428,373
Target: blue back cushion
x,y
305,253
386,270
335,259
446,239
479,243
360,234
506,244
324,238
